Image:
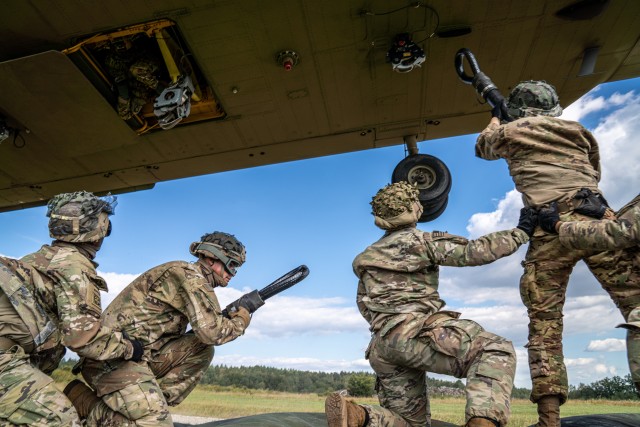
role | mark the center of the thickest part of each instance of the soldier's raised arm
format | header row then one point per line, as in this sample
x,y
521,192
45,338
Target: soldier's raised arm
x,y
456,251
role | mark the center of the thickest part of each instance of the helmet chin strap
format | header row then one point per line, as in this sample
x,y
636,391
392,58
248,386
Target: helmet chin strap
x,y
212,277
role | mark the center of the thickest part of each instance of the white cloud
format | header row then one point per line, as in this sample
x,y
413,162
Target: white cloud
x,y
503,218
609,344
288,316
590,104
508,321
581,361
583,106
617,136
587,370
580,311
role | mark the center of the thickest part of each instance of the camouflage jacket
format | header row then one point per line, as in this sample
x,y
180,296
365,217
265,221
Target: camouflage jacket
x,y
549,158
59,301
158,305
399,273
605,235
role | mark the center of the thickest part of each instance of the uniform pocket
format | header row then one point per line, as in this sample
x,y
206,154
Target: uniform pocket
x,y
90,297
130,401
498,358
526,281
538,362
452,336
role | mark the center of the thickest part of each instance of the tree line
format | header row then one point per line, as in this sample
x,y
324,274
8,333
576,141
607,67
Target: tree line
x,y
615,388
363,383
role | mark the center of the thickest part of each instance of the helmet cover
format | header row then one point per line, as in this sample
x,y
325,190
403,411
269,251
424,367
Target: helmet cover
x,y
396,205
223,247
533,98
80,216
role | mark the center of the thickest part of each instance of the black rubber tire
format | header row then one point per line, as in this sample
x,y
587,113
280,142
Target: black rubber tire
x,y
432,212
429,173
601,420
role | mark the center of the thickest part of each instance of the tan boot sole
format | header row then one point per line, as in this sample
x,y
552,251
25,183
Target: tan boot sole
x,y
335,408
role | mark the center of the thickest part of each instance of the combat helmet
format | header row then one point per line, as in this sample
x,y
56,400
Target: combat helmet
x,y
396,205
80,216
221,246
533,98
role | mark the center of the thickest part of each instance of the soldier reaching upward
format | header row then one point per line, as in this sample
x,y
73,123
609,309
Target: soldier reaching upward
x,y
398,296
156,309
51,299
551,160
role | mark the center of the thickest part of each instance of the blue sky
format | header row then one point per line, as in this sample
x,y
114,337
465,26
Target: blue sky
x,y
316,212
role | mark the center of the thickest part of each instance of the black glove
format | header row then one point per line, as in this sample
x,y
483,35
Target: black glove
x,y
528,220
251,301
549,217
497,112
590,203
489,91
138,350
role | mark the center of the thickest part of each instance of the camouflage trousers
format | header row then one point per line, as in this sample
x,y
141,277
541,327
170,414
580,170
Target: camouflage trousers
x,y
142,392
29,397
449,346
543,286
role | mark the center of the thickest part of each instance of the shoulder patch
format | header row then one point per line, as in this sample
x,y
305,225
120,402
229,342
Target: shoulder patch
x,y
436,234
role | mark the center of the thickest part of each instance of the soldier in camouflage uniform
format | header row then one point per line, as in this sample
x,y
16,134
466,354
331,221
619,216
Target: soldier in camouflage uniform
x,y
551,160
135,72
621,238
398,296
50,300
156,309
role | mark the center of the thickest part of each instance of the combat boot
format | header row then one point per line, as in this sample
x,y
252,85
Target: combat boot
x,y
82,397
549,411
344,413
481,422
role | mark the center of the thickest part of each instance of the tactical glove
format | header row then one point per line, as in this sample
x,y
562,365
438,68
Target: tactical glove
x,y
528,220
590,203
138,350
251,302
490,93
549,217
242,313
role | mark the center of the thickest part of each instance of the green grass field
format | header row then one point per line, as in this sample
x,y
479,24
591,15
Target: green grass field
x,y
211,401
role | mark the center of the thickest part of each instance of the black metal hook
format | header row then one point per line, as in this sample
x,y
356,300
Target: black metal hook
x,y
475,68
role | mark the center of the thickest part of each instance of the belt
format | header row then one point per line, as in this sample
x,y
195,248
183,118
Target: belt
x,y
565,205
6,344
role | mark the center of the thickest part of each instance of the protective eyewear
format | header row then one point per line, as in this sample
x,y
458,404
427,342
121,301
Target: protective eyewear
x,y
230,264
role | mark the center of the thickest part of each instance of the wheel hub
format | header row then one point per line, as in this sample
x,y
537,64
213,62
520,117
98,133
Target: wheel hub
x,y
422,176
